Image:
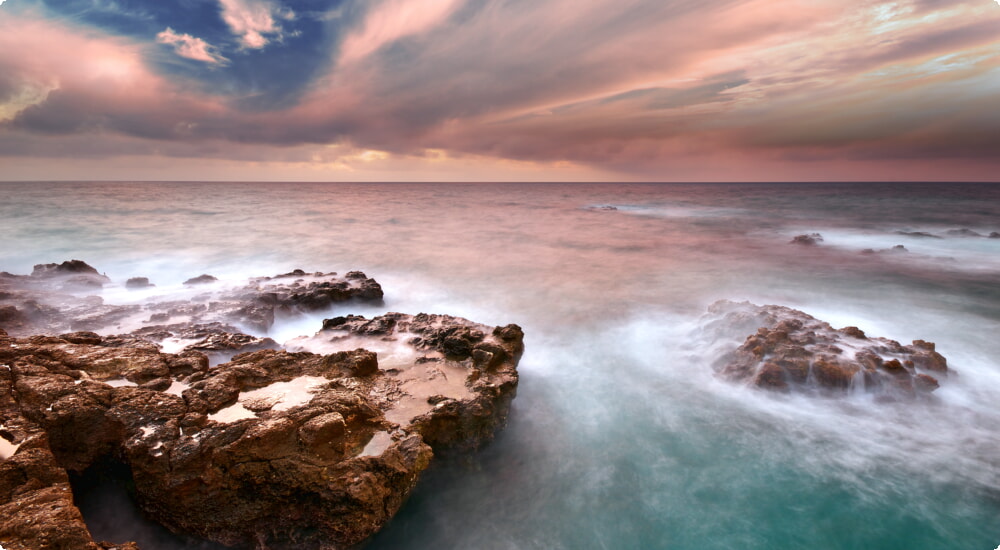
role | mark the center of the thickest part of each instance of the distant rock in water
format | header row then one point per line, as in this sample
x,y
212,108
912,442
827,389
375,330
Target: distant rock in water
x,y
315,446
995,235
137,283
811,239
898,249
603,208
201,280
71,275
963,232
793,351
69,267
919,234
51,304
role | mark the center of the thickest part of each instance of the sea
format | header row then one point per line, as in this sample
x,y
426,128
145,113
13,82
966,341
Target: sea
x,y
622,436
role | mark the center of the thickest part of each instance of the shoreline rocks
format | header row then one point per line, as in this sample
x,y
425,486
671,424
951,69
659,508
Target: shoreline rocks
x,y
52,300
312,446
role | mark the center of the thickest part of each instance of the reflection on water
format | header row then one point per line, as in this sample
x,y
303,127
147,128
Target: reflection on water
x,y
620,436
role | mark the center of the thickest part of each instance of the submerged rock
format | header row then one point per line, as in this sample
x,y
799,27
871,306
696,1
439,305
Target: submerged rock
x,y
919,234
793,351
963,232
278,449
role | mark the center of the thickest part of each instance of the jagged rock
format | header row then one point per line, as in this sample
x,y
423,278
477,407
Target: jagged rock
x,y
47,302
436,349
72,275
70,267
793,351
275,449
138,282
807,240
201,280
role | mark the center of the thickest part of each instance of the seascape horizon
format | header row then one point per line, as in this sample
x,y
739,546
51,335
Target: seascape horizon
x,y
499,275
623,434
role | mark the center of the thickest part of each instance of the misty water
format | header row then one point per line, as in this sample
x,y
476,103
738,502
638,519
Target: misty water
x,y
621,436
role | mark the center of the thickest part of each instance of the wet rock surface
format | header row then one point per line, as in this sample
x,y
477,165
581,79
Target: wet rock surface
x,y
312,446
793,351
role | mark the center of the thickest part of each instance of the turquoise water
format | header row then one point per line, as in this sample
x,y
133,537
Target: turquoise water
x,y
621,437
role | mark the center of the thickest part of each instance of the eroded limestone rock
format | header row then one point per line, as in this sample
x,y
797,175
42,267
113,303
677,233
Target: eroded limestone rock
x,y
276,449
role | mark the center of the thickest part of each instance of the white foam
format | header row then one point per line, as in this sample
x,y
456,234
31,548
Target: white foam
x,y
176,345
954,253
116,383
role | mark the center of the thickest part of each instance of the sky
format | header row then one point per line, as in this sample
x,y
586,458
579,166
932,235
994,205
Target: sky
x,y
500,90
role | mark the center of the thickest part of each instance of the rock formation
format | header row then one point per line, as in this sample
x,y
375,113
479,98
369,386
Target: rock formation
x,y
811,239
793,351
274,449
138,282
52,300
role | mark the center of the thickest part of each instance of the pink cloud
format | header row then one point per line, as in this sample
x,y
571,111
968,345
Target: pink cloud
x,y
393,20
786,88
253,21
190,47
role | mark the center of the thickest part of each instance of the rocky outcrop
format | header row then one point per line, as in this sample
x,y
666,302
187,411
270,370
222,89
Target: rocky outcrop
x,y
203,279
457,377
137,283
793,351
275,449
56,298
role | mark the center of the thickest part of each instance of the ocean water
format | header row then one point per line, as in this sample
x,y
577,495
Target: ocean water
x,y
621,437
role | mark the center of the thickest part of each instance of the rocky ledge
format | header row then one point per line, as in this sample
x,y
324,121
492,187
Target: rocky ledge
x,y
793,351
312,446
59,298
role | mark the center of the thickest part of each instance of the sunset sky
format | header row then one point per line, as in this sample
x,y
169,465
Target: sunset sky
x,y
497,90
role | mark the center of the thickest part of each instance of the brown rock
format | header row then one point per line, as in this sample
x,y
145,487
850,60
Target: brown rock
x,y
854,332
794,351
274,449
833,374
772,377
925,383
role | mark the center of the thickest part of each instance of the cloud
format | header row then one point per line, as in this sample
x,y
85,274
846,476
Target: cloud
x,y
393,20
190,47
635,86
254,21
